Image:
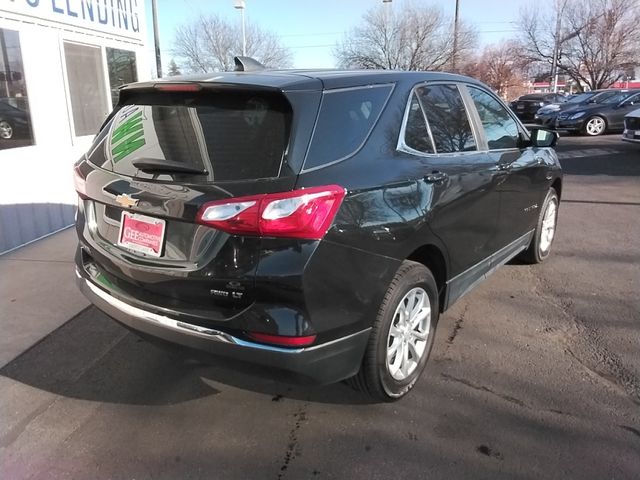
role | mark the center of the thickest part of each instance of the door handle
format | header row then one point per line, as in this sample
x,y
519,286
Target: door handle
x,y
435,177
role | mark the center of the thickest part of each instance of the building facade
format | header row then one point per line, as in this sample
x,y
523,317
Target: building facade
x,y
61,63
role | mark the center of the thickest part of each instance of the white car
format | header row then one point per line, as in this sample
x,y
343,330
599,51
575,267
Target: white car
x,y
632,127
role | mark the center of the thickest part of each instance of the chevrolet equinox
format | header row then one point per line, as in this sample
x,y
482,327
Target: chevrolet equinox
x,y
314,223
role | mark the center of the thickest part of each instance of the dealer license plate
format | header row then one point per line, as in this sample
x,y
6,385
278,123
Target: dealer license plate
x,y
142,234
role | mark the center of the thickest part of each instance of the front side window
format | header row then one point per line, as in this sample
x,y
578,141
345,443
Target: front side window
x,y
87,89
122,70
345,120
500,128
447,118
15,120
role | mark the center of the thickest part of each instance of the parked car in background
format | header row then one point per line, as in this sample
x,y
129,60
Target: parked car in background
x,y
546,116
309,222
526,106
631,131
14,123
597,118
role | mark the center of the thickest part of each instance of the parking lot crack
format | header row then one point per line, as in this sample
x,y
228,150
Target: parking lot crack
x,y
457,326
293,447
482,388
585,345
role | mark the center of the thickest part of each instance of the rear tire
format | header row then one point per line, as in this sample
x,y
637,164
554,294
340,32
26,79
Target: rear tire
x,y
402,335
544,234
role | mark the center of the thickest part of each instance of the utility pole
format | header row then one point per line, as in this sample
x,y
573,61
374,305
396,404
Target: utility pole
x,y
455,36
156,37
556,45
240,5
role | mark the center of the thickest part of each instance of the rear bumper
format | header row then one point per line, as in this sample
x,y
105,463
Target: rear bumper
x,y
319,364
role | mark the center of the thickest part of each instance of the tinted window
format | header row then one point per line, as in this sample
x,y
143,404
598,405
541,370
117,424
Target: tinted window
x,y
582,97
416,134
231,136
346,117
609,97
447,118
15,120
500,129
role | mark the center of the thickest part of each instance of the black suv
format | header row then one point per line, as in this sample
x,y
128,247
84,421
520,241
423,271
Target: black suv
x,y
528,105
312,222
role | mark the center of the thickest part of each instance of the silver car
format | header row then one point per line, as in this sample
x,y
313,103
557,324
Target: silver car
x,y
632,127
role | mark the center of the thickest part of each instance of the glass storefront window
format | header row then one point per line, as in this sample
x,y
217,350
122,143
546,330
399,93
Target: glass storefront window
x,y
122,70
87,88
15,120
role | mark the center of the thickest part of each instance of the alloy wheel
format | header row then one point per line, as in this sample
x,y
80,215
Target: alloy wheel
x,y
548,230
595,126
6,130
408,334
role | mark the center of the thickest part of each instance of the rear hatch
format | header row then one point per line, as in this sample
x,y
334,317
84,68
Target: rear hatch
x,y
528,104
159,158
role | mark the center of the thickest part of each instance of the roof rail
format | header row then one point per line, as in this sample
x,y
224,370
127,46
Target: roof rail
x,y
247,64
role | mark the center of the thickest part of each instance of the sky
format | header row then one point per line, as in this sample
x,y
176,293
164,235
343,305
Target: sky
x,y
311,28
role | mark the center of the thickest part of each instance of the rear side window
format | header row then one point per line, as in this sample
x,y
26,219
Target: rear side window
x,y
447,118
416,135
500,128
345,120
231,136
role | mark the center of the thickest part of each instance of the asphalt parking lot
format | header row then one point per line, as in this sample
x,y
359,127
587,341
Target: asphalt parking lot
x,y
535,374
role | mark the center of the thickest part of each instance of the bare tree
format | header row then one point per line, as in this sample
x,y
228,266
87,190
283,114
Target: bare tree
x,y
598,39
209,43
418,37
501,66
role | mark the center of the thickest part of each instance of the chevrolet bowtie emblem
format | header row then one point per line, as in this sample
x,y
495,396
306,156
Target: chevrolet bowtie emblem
x,y
126,201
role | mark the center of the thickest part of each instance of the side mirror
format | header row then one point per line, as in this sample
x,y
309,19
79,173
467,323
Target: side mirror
x,y
543,138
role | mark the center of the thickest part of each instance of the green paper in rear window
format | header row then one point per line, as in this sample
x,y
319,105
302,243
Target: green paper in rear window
x,y
230,135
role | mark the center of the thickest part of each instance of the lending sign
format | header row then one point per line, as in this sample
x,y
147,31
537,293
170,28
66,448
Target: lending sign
x,y
117,17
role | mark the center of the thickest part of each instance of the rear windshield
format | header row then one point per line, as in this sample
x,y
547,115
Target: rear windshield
x,y
532,97
213,137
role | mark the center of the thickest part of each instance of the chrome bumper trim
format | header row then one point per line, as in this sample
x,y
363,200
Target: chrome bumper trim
x,y
117,308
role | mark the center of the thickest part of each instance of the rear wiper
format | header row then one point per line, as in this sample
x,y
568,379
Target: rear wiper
x,y
159,165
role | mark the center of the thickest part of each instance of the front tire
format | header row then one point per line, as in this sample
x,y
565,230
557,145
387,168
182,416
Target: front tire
x,y
595,126
6,130
402,335
545,232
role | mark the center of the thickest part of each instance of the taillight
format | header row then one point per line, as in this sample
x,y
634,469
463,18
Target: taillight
x,y
79,182
306,213
281,340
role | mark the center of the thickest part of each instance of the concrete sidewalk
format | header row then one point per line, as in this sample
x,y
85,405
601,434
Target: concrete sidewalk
x,y
37,292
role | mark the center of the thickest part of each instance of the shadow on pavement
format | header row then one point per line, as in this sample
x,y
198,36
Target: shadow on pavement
x,y
93,358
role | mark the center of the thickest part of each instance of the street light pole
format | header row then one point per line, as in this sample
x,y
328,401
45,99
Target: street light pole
x,y
156,37
455,36
556,47
240,5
